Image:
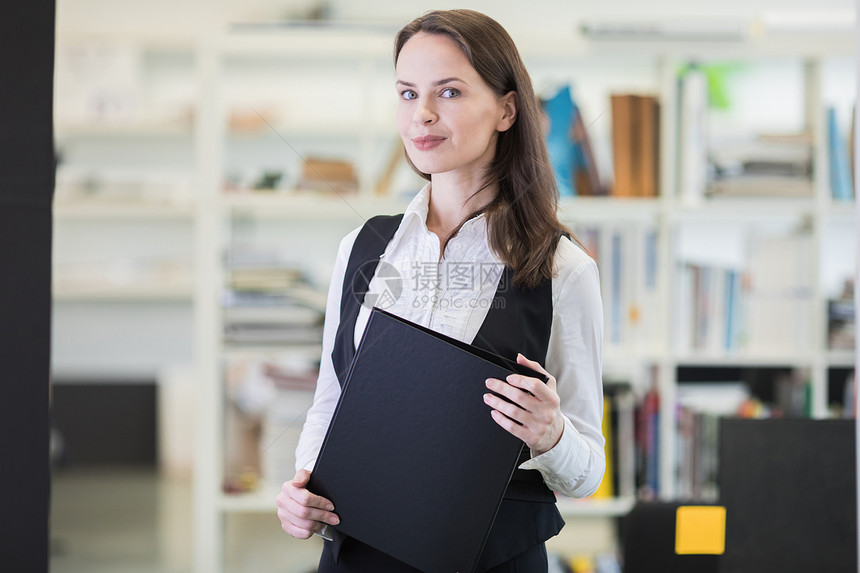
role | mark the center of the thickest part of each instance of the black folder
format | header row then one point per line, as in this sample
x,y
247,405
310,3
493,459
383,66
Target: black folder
x,y
412,460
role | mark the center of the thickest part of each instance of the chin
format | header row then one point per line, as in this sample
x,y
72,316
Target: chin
x,y
428,167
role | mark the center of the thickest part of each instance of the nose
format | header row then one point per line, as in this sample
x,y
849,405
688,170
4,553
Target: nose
x,y
424,114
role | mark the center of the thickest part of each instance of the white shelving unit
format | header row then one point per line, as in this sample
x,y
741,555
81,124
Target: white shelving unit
x,y
363,123
99,210
124,205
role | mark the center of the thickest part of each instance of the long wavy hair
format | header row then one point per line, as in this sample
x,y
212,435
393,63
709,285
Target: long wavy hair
x,y
522,222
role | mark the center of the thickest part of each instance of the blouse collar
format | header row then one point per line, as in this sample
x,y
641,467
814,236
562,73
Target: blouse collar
x,y
419,207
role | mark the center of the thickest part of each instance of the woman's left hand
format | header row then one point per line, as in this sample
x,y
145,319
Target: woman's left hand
x,y
535,415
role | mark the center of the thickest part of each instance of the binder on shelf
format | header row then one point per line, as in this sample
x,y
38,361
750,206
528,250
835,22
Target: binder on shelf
x,y
622,145
635,144
559,111
607,487
412,461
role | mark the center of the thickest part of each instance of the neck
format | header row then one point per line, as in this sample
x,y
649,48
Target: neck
x,y
452,200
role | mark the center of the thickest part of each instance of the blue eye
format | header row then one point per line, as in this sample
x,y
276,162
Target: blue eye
x,y
450,92
408,94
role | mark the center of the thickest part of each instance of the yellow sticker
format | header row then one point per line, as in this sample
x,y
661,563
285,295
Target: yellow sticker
x,y
700,530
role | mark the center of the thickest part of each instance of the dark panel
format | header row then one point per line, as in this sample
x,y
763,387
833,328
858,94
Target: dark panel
x,y
26,190
790,496
106,424
648,541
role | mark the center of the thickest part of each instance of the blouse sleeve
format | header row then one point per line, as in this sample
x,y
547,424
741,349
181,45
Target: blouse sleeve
x,y
328,388
575,466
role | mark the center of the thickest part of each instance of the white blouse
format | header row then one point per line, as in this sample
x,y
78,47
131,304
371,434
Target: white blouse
x,y
453,296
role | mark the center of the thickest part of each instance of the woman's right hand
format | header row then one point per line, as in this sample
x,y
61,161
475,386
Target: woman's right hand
x,y
302,513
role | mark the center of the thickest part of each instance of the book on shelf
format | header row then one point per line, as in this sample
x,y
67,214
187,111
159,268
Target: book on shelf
x,y
259,277
710,315
841,177
269,318
271,333
692,135
841,333
793,395
764,307
559,115
607,489
699,408
285,311
266,303
765,165
849,397
263,278
649,146
635,144
785,394
779,304
619,426
626,256
269,267
328,175
569,146
697,450
851,156
761,186
647,417
586,179
622,145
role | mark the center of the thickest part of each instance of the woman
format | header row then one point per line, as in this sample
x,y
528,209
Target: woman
x,y
483,231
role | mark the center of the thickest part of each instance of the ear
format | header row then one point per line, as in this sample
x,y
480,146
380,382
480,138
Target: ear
x,y
510,103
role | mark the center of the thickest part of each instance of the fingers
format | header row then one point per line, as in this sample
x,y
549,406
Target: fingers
x,y
297,527
531,364
525,391
302,513
526,407
306,520
536,366
523,407
539,427
511,426
301,478
303,497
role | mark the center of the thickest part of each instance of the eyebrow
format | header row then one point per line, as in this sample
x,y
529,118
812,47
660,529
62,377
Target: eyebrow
x,y
436,83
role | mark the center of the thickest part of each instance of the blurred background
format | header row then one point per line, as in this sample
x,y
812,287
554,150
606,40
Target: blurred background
x,y
211,155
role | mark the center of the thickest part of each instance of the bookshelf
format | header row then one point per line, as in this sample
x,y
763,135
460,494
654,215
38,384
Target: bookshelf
x,y
246,89
124,201
652,358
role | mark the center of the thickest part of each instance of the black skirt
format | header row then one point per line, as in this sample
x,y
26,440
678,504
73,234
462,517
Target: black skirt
x,y
357,557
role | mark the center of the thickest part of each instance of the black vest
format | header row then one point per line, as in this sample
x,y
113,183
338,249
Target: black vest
x,y
519,320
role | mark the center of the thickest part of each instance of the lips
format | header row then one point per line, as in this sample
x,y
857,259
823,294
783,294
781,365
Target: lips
x,y
427,142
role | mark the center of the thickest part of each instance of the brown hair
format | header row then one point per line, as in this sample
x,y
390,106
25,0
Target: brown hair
x,y
523,226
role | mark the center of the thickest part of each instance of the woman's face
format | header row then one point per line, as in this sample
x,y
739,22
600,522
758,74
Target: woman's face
x,y
448,117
